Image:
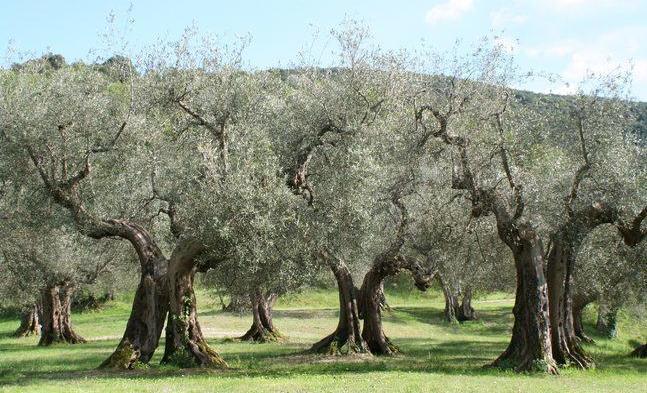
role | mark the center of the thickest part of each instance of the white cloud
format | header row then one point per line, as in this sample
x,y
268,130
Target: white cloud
x,y
617,49
451,10
505,17
561,48
570,5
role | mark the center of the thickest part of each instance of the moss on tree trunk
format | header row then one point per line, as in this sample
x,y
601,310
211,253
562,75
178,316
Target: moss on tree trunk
x,y
262,329
185,343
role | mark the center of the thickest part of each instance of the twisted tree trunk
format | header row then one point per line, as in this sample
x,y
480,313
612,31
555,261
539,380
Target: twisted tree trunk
x,y
185,344
29,324
347,338
565,343
262,329
451,301
457,310
56,316
530,345
466,312
371,297
565,319
150,305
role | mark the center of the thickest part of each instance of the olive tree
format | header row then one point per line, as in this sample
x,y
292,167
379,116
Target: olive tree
x,y
72,123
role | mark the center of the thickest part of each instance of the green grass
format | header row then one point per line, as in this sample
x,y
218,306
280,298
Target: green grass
x,y
436,356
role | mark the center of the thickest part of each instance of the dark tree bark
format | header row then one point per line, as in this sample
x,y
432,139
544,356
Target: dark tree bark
x,y
262,329
640,352
185,344
29,323
451,301
388,263
150,305
566,242
632,232
371,295
457,310
347,337
566,347
56,316
530,345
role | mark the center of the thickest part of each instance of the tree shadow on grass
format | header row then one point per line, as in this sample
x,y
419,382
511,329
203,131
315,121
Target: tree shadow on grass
x,y
454,356
273,361
278,313
492,322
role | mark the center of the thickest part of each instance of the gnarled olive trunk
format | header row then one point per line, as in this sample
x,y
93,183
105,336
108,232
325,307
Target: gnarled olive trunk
x,y
530,345
455,309
347,337
185,344
29,324
451,301
466,312
262,329
560,275
150,305
56,316
565,344
372,297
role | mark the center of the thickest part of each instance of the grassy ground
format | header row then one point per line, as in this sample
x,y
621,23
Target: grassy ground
x,y
436,356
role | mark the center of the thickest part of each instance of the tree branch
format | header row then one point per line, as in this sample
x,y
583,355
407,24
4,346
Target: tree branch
x,y
581,171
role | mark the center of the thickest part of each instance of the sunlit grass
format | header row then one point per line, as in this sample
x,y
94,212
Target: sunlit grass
x,y
435,356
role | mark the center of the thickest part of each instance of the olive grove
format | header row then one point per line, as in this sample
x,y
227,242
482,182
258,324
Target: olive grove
x,y
429,163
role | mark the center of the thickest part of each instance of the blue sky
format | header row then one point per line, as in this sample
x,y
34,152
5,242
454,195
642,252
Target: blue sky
x,y
565,37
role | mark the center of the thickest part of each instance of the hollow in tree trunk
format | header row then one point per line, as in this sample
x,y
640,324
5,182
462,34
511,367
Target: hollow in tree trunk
x,y
566,346
56,312
262,329
29,324
530,345
185,343
347,337
150,305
